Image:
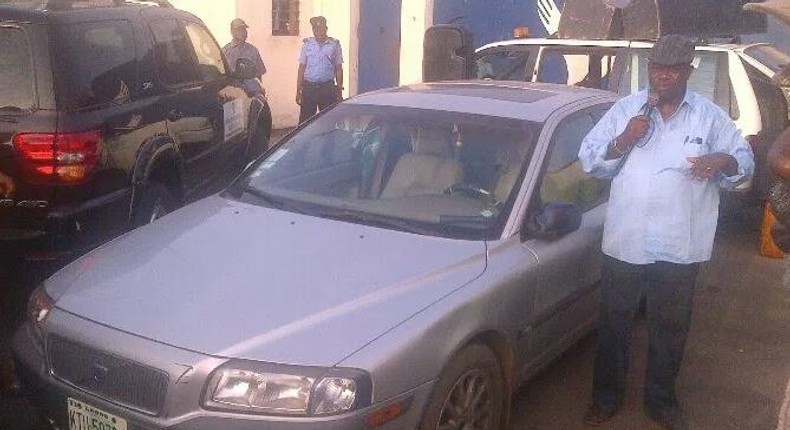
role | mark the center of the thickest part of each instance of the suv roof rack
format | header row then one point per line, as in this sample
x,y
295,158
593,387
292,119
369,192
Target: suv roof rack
x,y
75,4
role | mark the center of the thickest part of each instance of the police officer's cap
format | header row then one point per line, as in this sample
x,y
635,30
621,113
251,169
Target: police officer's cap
x,y
318,20
238,23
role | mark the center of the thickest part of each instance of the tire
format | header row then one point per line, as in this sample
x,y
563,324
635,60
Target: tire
x,y
262,135
475,368
154,202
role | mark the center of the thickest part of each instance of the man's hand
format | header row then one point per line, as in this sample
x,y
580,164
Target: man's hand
x,y
709,166
7,186
299,97
635,130
338,93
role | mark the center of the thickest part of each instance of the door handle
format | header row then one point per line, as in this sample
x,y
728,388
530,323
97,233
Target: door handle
x,y
175,115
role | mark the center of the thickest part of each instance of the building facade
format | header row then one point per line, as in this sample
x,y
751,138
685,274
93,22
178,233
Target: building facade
x,y
382,40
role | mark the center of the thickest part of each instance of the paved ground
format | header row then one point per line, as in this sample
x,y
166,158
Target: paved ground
x,y
737,361
734,377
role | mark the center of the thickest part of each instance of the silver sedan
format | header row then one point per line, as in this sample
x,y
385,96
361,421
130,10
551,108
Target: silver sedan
x,y
404,260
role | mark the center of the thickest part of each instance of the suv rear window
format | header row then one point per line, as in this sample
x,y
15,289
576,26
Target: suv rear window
x,y
16,70
98,63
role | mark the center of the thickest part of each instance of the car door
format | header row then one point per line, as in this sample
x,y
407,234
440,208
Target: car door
x,y
193,119
225,95
569,266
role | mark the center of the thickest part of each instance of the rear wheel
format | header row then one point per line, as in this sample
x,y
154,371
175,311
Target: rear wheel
x,y
154,202
469,394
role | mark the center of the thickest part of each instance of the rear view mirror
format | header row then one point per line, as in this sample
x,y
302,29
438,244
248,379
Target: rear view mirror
x,y
554,221
246,69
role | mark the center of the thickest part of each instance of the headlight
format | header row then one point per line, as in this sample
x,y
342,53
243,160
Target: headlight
x,y
39,306
261,388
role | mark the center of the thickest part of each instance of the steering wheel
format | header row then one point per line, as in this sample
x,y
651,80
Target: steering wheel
x,y
472,191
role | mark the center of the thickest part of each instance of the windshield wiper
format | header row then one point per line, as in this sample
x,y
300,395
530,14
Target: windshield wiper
x,y
13,108
374,220
470,221
273,201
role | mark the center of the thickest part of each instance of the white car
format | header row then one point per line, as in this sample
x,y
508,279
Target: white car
x,y
736,76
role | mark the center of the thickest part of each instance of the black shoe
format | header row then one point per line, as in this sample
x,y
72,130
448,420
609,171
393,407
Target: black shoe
x,y
670,420
599,414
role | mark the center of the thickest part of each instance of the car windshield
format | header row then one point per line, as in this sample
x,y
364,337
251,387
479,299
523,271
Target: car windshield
x,y
16,78
424,171
768,55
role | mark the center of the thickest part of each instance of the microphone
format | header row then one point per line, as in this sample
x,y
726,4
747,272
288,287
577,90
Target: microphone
x,y
652,102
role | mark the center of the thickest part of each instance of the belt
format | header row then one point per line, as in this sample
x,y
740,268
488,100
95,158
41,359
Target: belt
x,y
318,84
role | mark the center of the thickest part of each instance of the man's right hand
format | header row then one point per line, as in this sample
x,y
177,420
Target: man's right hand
x,y
635,130
298,97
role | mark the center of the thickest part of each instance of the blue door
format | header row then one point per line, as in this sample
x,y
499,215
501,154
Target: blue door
x,y
379,44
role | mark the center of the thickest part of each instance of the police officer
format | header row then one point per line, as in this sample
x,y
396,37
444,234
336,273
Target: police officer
x,y
239,48
320,80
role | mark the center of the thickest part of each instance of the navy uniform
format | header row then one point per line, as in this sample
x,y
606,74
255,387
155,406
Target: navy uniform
x,y
320,61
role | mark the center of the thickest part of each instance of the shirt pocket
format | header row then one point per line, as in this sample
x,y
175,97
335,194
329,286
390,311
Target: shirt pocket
x,y
696,147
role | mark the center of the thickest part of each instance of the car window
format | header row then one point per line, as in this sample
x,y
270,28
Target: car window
x,y
568,66
504,65
449,174
98,63
710,79
563,179
209,56
16,70
173,52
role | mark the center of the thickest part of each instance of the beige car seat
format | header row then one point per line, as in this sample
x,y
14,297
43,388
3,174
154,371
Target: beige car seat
x,y
429,169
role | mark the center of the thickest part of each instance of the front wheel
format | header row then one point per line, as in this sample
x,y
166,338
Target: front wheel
x,y
469,394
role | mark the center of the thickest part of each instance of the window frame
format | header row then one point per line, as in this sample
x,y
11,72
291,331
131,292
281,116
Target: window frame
x,y
158,63
293,12
536,202
222,58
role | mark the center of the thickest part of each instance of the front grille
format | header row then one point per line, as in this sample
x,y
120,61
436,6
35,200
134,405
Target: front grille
x,y
111,378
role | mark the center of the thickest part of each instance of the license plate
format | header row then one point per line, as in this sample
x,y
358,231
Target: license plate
x,y
85,417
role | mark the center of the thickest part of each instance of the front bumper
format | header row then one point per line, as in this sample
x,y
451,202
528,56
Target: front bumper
x,y
181,411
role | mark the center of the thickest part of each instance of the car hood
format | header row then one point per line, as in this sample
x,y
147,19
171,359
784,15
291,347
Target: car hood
x,y
230,279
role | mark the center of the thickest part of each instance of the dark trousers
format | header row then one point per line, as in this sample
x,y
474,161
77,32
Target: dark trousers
x,y
315,98
669,289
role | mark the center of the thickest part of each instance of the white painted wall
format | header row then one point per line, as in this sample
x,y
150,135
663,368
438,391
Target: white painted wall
x,y
280,53
416,17
217,14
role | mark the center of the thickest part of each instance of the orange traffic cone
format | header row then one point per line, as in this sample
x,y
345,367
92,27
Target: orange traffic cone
x,y
768,247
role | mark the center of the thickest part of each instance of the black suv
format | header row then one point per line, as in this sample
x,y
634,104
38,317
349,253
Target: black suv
x,y
111,114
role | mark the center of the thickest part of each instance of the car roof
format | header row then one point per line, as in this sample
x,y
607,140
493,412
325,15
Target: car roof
x,y
40,11
611,43
507,99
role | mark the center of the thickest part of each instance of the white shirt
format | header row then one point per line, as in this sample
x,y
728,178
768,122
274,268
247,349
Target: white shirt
x,y
656,210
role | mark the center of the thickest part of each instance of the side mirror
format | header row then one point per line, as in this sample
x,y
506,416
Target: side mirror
x,y
246,69
555,220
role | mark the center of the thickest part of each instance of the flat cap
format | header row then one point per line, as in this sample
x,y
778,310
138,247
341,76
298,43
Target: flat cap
x,y
318,20
238,23
672,50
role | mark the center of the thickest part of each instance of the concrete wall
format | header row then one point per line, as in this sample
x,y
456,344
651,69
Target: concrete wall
x,y
416,17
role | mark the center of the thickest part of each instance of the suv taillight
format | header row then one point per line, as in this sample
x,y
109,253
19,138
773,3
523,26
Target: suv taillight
x,y
60,157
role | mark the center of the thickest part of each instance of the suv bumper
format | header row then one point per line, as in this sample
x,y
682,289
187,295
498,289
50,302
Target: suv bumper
x,y
68,230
